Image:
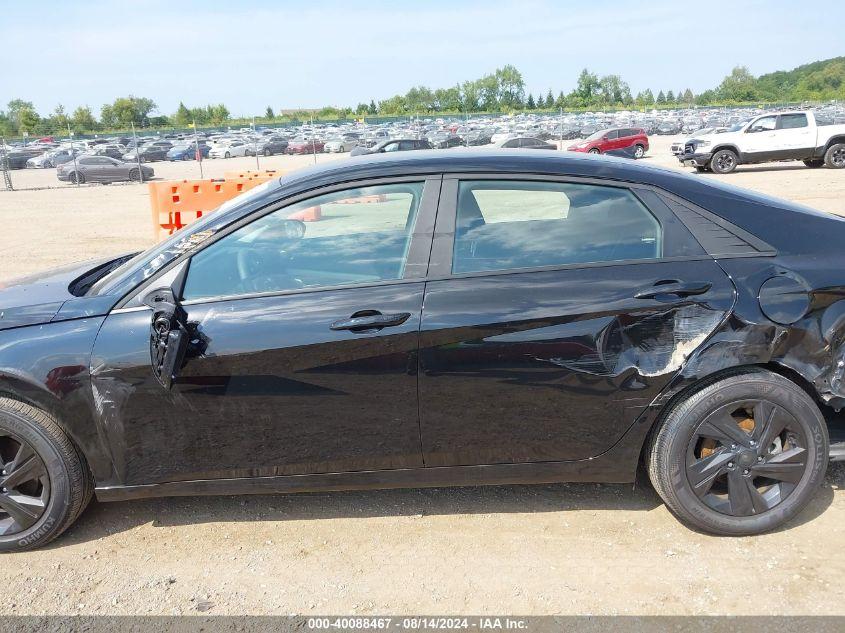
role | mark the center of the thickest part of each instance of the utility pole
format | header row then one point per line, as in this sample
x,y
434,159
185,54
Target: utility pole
x,y
198,150
137,154
313,144
73,153
4,166
255,145
560,122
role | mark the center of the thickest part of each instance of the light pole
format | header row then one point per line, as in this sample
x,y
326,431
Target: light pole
x,y
137,155
73,153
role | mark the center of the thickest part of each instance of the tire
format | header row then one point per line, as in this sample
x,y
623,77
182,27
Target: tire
x,y
814,162
77,178
639,151
186,157
595,150
227,155
266,152
834,157
724,161
61,480
134,175
720,498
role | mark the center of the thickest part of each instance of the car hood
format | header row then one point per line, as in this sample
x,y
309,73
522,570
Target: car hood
x,y
40,298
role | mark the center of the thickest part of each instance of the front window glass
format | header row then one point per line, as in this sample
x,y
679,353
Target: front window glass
x,y
355,236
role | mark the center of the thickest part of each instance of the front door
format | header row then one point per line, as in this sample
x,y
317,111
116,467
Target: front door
x,y
564,311
303,356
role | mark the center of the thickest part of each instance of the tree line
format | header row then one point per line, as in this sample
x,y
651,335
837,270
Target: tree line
x,y
503,90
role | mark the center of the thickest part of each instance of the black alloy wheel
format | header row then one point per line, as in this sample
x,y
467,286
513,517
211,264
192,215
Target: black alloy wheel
x,y
723,162
746,457
24,485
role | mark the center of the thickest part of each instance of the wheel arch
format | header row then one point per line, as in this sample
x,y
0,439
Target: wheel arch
x,y
731,147
834,140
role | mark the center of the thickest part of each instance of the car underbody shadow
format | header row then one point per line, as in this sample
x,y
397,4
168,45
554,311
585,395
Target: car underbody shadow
x,y
104,519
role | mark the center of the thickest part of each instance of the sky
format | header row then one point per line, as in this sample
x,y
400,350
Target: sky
x,y
295,54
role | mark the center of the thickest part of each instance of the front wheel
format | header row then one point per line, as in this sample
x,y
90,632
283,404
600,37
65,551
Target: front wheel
x,y
44,482
134,175
595,150
639,151
834,157
266,152
724,161
741,456
227,155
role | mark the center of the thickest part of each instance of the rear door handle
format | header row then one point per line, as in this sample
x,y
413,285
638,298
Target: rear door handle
x,y
672,287
370,320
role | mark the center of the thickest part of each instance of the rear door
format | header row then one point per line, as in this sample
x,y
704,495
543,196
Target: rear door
x,y
556,311
794,138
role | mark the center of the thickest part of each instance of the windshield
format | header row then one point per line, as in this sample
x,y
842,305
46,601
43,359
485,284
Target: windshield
x,y
145,264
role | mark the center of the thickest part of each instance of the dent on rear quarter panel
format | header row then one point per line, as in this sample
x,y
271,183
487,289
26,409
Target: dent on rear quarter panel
x,y
807,296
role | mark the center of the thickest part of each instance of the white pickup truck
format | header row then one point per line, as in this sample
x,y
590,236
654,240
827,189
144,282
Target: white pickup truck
x,y
770,137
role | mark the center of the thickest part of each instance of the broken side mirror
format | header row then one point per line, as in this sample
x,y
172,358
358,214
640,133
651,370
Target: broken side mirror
x,y
168,335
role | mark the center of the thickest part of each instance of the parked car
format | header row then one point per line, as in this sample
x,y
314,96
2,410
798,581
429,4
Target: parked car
x,y
17,158
52,158
338,145
393,145
101,169
586,327
148,154
187,151
228,150
305,146
478,137
524,142
767,138
109,149
616,138
678,146
267,146
444,140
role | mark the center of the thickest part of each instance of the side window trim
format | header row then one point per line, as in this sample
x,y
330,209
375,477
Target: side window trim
x,y
442,248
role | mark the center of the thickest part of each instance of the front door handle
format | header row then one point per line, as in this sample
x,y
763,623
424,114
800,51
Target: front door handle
x,y
370,320
673,287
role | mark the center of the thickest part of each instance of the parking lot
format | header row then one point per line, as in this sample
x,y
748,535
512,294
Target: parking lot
x,y
551,549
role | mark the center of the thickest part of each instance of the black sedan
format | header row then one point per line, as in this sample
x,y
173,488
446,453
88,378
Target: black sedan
x,y
451,318
148,153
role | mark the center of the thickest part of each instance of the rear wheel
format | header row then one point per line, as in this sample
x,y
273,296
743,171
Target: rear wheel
x,y
724,161
834,157
814,162
77,178
44,481
743,455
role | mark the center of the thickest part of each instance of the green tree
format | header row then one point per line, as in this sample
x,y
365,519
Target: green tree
x,y
661,98
670,97
126,110
183,115
511,93
269,114
587,88
83,120
739,86
550,100
530,104
59,119
361,109
689,97
373,109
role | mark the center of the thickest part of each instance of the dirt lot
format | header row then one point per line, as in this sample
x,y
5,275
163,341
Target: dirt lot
x,y
558,549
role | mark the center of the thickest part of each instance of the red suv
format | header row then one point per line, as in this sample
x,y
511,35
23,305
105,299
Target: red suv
x,y
614,138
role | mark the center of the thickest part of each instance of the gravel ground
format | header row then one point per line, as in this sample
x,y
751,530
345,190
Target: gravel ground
x,y
553,549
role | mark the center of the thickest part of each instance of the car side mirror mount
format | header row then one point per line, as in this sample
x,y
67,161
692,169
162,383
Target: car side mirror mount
x,y
169,335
